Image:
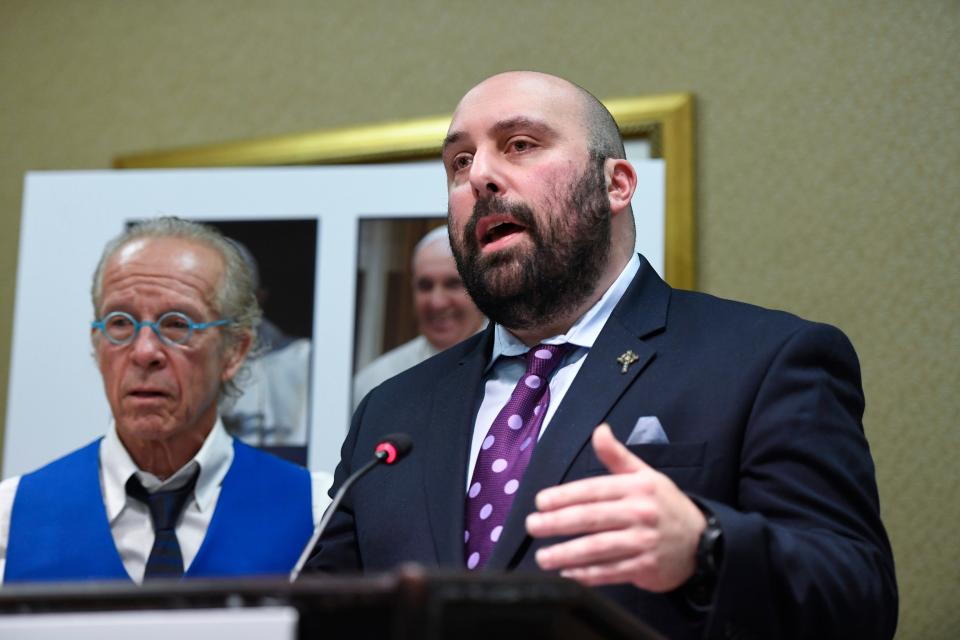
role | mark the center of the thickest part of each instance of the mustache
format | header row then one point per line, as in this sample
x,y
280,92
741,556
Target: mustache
x,y
498,204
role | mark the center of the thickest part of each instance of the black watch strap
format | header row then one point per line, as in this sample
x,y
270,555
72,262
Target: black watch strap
x,y
710,549
700,587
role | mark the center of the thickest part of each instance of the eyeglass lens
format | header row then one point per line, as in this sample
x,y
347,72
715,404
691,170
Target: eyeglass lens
x,y
173,327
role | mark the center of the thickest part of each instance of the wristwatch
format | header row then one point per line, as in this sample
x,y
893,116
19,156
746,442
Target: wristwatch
x,y
699,588
709,549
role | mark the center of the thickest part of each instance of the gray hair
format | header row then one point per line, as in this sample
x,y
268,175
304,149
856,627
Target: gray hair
x,y
235,297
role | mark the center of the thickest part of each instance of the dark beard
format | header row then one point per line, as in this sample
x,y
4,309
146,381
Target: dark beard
x,y
523,289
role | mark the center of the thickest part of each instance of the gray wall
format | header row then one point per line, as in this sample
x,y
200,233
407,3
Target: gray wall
x,y
828,153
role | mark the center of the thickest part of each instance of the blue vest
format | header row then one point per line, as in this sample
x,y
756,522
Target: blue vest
x,y
59,528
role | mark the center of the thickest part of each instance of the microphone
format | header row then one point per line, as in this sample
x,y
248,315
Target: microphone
x,y
390,450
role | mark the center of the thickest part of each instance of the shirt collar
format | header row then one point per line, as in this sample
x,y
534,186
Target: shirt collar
x,y
584,331
116,465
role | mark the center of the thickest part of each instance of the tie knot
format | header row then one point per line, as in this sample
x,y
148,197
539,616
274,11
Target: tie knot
x,y
165,506
543,359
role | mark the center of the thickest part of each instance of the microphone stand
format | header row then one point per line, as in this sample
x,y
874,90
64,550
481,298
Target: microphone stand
x,y
378,457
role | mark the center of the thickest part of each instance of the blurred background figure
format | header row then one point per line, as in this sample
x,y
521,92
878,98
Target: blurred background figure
x,y
273,411
444,311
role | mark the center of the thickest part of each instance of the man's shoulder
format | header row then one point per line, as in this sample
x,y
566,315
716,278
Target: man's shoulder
x,y
78,457
390,364
444,360
652,306
398,359
433,368
728,311
266,462
731,322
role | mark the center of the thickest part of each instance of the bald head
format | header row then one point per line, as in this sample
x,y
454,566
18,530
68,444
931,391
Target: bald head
x,y
437,239
601,133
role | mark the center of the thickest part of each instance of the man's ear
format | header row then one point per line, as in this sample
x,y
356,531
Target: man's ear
x,y
621,181
235,355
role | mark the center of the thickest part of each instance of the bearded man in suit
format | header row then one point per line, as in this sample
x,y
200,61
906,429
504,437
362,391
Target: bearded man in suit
x,y
729,490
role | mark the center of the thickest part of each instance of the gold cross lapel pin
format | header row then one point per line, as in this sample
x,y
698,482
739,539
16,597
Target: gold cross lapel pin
x,y
626,359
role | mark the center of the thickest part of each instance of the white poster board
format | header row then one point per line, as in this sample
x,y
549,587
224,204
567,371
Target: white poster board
x,y
276,623
56,401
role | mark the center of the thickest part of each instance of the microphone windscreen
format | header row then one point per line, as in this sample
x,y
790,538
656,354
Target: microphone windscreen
x,y
401,444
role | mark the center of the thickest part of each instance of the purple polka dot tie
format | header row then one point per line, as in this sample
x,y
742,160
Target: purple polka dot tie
x,y
505,453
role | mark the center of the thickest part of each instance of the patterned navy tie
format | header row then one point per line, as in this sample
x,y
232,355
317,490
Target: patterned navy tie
x,y
505,453
165,559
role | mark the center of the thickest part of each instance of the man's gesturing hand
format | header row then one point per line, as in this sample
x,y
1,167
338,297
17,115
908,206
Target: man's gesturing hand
x,y
633,525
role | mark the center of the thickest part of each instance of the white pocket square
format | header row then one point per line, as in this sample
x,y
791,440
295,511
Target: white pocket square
x,y
648,430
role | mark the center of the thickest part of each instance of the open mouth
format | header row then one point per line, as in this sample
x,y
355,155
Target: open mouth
x,y
492,229
147,394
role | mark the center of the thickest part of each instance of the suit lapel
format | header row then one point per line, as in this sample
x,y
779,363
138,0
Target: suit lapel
x,y
448,447
641,312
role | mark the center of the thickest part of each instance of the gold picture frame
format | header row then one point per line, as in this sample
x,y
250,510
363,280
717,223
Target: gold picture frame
x,y
665,121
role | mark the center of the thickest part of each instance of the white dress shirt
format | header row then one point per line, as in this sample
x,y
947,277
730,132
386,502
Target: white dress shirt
x,y
130,519
506,367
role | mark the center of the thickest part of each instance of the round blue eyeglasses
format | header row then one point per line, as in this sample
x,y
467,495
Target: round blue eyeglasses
x,y
173,327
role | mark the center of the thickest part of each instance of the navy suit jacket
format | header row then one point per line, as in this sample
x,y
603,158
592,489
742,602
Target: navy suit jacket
x,y
763,415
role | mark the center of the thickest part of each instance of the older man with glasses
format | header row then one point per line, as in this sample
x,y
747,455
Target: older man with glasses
x,y
166,493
